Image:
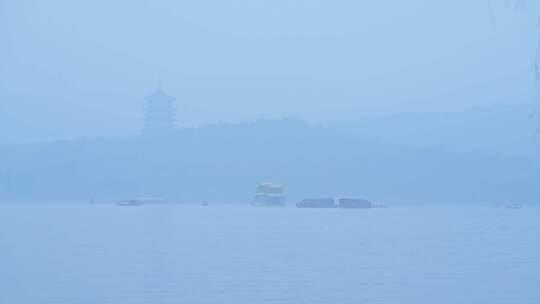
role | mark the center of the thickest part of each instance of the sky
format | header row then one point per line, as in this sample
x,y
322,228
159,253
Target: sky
x,y
82,68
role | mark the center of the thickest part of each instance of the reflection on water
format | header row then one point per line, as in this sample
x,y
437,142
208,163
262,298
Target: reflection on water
x,y
60,253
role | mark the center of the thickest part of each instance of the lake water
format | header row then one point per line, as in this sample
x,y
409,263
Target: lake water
x,y
73,253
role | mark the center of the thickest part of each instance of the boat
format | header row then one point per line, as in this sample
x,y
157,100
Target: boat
x,y
269,195
316,203
128,203
354,203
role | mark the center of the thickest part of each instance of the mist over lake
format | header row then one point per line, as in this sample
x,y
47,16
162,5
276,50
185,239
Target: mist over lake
x,y
256,151
73,253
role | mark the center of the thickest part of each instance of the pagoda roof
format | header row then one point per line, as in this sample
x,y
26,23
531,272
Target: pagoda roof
x,y
159,95
270,185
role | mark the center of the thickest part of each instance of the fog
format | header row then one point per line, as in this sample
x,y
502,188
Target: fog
x,y
70,69
394,100
269,151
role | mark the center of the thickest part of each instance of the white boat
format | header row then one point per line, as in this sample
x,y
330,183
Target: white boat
x,y
269,195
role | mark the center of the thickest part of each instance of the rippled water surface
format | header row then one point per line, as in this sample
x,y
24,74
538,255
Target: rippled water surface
x,y
72,253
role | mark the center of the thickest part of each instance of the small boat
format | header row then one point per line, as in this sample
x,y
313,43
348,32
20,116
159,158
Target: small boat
x,y
129,203
142,201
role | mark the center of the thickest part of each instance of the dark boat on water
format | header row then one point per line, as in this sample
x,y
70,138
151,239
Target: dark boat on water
x,y
316,203
352,203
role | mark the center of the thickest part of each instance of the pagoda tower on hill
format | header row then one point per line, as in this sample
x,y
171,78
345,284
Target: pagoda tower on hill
x,y
159,114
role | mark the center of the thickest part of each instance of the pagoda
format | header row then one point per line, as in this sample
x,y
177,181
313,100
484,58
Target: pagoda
x,y
159,114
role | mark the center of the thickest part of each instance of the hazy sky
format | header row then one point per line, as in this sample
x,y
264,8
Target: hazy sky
x,y
71,68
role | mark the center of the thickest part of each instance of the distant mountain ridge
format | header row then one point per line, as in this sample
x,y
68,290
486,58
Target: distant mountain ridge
x,y
509,130
224,162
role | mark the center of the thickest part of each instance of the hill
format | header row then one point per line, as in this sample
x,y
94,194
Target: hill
x,y
224,162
